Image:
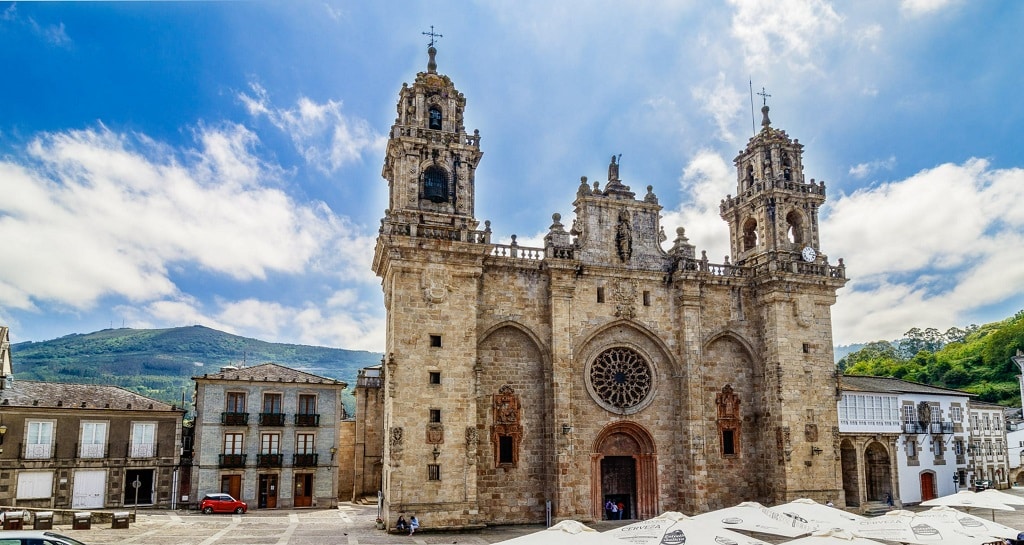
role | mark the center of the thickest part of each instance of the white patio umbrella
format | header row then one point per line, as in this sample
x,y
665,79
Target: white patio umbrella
x,y
754,517
907,527
966,498
672,528
968,522
1001,497
833,536
821,516
567,532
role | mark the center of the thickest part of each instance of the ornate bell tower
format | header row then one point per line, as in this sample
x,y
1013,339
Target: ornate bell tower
x,y
431,162
775,211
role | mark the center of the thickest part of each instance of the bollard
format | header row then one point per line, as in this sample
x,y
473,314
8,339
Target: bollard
x,y
43,521
82,521
14,520
119,520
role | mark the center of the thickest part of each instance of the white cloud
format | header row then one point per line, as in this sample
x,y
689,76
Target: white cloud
x,y
770,31
863,170
940,244
723,103
92,213
326,138
917,8
706,179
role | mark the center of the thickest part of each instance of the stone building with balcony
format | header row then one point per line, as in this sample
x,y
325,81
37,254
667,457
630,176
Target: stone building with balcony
x,y
903,439
267,435
84,446
987,447
362,439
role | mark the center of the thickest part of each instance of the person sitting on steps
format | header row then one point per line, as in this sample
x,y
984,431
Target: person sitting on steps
x,y
401,525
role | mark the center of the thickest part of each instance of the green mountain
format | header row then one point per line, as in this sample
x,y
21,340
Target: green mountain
x,y
160,363
977,359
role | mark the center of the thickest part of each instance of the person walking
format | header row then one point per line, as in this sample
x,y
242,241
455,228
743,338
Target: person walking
x,y
621,507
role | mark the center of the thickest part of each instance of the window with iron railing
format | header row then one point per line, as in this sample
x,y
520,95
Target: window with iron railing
x,y
38,439
143,443
307,415
93,442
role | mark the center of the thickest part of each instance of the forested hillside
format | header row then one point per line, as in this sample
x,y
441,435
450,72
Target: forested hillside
x,y
976,359
159,363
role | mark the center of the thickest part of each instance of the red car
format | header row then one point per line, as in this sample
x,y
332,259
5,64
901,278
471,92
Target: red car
x,y
222,503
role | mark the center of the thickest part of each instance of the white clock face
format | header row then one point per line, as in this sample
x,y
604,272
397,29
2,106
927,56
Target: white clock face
x,y
808,254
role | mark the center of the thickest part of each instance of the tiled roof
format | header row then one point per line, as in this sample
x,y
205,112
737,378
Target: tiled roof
x,y
30,393
270,372
893,385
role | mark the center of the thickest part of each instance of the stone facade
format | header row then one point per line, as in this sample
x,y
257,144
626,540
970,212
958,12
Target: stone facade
x,y
83,446
268,435
601,366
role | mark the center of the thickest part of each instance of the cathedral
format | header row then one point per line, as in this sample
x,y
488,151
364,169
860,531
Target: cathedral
x,y
610,364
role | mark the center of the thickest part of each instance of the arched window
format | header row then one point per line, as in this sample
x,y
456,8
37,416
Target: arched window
x,y
435,118
750,234
748,182
795,223
435,184
787,168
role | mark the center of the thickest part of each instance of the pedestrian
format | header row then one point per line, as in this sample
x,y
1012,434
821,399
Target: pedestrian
x,y
609,509
888,499
621,507
413,524
401,525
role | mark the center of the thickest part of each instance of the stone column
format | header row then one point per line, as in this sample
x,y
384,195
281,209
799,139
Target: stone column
x,y
566,477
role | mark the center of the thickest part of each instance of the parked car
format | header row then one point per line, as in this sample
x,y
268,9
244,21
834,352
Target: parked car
x,y
222,503
35,537
983,484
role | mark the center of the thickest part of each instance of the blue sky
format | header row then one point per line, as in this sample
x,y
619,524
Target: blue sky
x,y
168,164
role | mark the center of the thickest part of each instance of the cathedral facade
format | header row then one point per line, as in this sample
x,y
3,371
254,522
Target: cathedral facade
x,y
602,366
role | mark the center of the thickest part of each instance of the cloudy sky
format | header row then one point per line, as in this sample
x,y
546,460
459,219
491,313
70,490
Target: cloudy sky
x,y
168,164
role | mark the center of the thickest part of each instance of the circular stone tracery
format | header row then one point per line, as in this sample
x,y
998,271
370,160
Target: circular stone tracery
x,y
621,378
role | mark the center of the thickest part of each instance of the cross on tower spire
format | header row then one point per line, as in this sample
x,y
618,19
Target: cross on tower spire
x,y
432,35
764,97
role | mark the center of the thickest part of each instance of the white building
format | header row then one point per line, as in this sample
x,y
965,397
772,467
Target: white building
x,y
988,445
902,439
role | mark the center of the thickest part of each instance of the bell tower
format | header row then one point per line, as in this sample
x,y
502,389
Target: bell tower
x,y
430,162
775,210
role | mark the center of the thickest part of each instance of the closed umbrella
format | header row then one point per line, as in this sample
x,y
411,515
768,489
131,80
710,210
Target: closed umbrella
x,y
672,528
754,517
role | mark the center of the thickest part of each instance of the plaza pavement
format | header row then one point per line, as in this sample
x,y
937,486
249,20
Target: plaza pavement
x,y
348,524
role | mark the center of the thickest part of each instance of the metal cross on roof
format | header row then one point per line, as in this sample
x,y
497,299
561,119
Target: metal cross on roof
x,y
764,97
432,35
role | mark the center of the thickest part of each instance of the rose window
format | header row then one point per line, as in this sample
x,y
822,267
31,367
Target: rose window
x,y
621,378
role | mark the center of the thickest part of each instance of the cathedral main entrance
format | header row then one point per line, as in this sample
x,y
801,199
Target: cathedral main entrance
x,y
624,471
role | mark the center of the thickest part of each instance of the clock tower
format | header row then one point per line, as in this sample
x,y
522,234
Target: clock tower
x,y
775,210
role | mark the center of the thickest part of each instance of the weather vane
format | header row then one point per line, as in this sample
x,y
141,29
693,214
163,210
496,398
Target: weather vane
x,y
432,35
764,96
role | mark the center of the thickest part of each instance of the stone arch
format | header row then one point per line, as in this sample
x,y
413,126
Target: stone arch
x,y
730,370
435,184
749,237
434,117
624,454
877,472
512,368
851,477
597,340
795,227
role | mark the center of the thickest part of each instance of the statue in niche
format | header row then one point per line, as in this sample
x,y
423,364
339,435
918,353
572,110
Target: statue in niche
x,y
624,236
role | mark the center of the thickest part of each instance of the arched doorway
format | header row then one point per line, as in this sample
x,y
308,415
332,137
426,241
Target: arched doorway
x,y
624,469
877,474
928,486
848,458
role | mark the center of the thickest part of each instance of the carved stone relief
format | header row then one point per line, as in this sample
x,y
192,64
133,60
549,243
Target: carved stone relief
x,y
395,443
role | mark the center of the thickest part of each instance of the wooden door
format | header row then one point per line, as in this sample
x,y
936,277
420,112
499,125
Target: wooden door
x,y
927,486
231,484
268,491
303,489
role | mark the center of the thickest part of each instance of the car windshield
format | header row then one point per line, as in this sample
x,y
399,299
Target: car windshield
x,y
63,538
